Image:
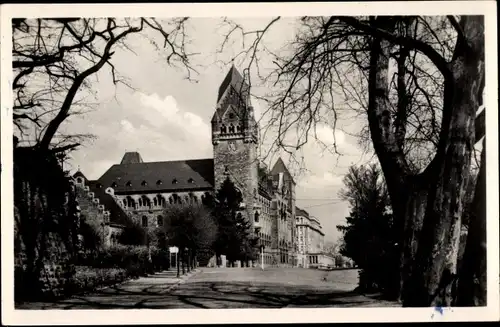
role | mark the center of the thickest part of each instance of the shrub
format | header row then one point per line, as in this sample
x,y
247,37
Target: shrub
x,y
134,259
89,278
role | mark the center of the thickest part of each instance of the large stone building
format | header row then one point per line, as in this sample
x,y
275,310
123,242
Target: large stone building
x,y
310,241
143,189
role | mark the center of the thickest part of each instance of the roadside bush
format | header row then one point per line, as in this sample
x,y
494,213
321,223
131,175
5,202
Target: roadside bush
x,y
89,278
133,259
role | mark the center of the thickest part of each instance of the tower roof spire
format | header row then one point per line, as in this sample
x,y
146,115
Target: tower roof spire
x,y
235,80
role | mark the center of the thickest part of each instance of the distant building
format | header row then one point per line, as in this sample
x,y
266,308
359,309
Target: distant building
x,y
310,240
143,189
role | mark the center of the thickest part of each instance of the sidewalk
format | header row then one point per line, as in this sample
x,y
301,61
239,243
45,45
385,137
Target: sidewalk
x,y
129,294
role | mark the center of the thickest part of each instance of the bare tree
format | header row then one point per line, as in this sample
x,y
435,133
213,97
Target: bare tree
x,y
55,59
418,82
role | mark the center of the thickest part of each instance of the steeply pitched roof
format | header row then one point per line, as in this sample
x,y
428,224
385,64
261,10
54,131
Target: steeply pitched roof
x,y
280,167
80,174
117,215
234,79
131,157
162,176
301,212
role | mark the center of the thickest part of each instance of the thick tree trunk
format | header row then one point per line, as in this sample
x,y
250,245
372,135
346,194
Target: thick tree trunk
x,y
428,207
183,261
178,264
411,217
472,281
436,261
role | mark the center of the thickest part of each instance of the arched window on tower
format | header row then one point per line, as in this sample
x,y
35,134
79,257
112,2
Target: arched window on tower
x,y
155,202
223,129
231,128
159,221
238,128
256,217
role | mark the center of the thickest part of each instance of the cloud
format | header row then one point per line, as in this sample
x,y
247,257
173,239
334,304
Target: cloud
x,y
328,136
127,126
171,115
321,180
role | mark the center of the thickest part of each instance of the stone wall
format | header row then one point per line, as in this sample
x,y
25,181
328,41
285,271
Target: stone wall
x,y
45,226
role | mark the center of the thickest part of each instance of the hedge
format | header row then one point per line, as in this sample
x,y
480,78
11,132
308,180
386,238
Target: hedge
x,y
89,278
134,259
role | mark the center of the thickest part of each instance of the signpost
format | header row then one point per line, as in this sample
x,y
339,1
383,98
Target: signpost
x,y
173,249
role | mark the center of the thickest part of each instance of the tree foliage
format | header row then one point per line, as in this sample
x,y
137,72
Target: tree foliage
x,y
369,236
234,237
189,226
133,234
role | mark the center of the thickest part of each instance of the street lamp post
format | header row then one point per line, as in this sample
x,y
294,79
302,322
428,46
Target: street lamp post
x,y
262,256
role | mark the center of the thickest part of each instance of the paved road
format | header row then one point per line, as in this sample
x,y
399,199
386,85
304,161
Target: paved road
x,y
229,288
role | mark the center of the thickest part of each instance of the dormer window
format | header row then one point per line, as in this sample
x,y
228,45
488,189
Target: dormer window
x,y
174,181
114,184
190,181
144,183
129,183
158,182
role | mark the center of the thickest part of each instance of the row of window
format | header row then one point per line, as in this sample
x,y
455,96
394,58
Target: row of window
x,y
160,201
265,239
231,129
158,182
284,256
265,203
145,221
313,259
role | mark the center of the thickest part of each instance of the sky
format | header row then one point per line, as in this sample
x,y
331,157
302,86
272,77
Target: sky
x,y
167,117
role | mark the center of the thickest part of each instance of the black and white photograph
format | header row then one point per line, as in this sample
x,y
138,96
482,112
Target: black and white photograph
x,y
304,157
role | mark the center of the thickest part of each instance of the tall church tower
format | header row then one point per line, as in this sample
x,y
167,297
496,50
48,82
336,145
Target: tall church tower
x,y
235,139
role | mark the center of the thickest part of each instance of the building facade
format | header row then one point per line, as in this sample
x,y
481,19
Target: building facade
x,y
142,190
310,242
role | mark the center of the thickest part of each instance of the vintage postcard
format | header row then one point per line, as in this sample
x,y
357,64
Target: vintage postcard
x,y
270,162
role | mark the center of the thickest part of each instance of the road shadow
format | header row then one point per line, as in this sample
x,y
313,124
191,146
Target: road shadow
x,y
206,294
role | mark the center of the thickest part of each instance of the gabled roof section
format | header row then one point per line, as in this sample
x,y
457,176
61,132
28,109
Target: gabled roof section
x,y
234,79
162,176
80,174
131,158
117,215
280,167
301,212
